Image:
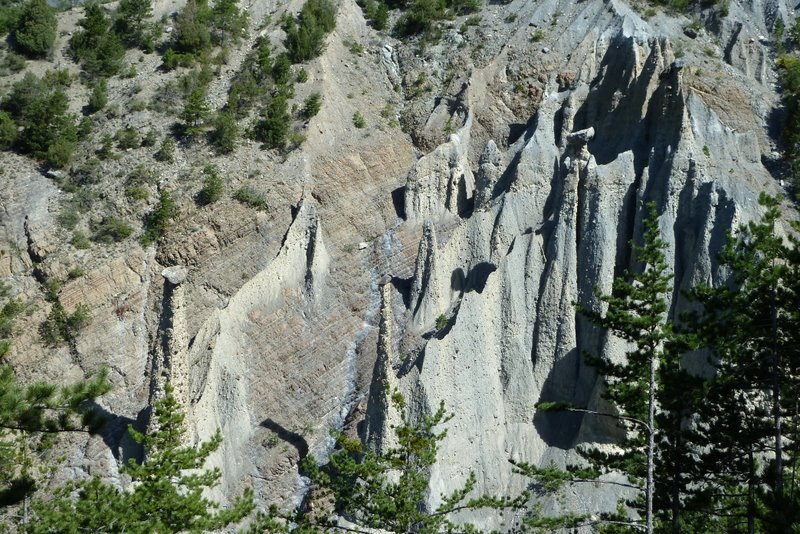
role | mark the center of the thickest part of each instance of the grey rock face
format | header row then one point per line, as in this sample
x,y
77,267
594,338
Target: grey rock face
x,y
550,227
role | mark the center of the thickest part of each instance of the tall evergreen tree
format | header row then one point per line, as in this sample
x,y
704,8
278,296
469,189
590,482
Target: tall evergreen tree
x,y
750,325
650,391
385,491
35,29
29,416
167,494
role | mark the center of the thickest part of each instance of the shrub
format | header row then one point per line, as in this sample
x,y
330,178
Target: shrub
x,y
131,22
96,47
195,111
14,62
40,108
99,96
302,76
111,230
441,322
305,38
381,19
191,38
150,138
274,127
79,240
127,138
8,131
75,272
141,174
167,151
156,222
358,120
60,326
250,197
106,150
35,29
227,22
137,192
59,153
212,187
312,105
282,69
225,133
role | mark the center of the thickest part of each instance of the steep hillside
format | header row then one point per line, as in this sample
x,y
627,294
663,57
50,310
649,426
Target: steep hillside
x,y
495,178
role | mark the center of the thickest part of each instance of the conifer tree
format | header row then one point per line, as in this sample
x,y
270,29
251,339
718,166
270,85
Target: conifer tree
x,y
29,416
35,29
653,396
750,325
385,491
167,494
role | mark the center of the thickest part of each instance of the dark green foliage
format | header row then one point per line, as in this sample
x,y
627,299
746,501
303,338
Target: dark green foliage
x,y
252,83
111,230
282,69
99,96
127,138
228,24
213,187
312,105
302,76
249,196
655,447
40,107
305,38
8,131
273,129
150,138
106,150
750,325
225,134
35,29
167,495
131,23
80,241
28,413
195,111
157,221
358,120
9,14
13,62
386,491
61,326
191,37
97,48
8,314
166,153
380,19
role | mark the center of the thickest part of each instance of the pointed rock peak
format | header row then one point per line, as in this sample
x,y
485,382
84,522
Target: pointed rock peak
x,y
175,274
491,154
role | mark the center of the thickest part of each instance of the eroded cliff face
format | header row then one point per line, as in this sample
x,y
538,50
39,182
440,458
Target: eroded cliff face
x,y
512,195
508,250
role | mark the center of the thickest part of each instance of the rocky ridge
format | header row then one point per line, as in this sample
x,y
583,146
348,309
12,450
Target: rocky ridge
x,y
512,194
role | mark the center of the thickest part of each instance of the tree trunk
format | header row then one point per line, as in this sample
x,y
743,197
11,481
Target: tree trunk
x,y
651,440
675,492
751,493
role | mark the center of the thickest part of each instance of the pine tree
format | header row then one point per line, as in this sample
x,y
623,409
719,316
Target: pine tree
x,y
29,417
95,46
35,29
750,325
167,494
652,394
228,22
131,21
